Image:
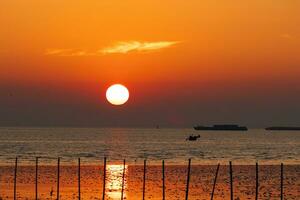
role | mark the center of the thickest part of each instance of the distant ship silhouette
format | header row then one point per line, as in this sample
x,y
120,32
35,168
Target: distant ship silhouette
x,y
282,128
221,127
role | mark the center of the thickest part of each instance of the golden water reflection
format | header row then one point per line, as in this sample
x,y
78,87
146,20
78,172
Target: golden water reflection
x,y
114,181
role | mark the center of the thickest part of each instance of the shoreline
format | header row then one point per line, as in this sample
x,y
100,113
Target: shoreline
x,y
88,162
141,165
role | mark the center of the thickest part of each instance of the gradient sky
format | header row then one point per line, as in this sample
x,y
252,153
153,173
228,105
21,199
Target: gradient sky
x,y
184,62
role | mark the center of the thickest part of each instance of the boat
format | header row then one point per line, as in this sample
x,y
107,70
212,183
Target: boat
x,y
193,137
221,127
283,128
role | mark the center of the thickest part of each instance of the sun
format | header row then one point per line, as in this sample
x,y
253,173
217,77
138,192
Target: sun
x,y
117,94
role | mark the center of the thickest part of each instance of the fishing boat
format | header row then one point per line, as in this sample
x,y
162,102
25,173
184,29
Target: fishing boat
x,y
193,137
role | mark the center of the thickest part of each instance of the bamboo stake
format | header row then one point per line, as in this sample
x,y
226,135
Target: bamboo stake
x,y
188,181
104,178
257,183
163,179
15,179
58,177
36,178
144,180
215,181
231,181
79,193
123,180
281,182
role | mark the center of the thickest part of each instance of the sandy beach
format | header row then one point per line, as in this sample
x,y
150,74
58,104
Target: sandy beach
x,y
200,183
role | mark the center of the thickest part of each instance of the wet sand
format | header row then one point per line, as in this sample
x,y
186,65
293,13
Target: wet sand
x,y
201,182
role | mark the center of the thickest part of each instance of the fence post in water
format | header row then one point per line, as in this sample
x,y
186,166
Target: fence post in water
x,y
231,180
15,179
104,178
281,182
123,180
215,181
58,176
163,179
144,180
188,181
257,183
36,177
79,194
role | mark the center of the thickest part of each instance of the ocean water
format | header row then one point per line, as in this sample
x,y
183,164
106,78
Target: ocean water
x,y
135,145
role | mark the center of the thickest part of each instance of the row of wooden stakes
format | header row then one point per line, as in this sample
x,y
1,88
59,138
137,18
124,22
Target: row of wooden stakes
x,y
144,180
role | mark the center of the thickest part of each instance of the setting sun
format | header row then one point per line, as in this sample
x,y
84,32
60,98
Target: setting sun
x,y
117,94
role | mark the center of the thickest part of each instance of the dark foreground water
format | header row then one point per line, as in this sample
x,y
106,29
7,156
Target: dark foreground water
x,y
92,144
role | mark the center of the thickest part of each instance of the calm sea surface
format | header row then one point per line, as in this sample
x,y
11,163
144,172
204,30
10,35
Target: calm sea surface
x,y
92,144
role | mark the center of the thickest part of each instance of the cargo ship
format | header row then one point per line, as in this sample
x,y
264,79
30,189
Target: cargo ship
x,y
282,128
221,127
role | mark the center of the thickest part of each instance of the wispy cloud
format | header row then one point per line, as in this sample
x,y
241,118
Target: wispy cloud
x,y
69,52
126,47
119,47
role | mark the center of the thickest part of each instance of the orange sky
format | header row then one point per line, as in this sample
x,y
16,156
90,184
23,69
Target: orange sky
x,y
162,50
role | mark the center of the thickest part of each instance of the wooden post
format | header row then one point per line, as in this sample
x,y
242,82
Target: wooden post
x,y
215,181
163,179
104,178
231,181
188,181
36,177
58,177
79,194
15,179
281,182
257,182
123,180
144,180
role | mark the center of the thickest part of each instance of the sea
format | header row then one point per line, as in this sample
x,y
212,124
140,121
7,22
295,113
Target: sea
x,y
137,144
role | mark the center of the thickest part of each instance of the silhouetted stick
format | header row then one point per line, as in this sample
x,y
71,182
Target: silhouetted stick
x,y
231,181
257,183
58,177
79,194
104,178
15,179
123,180
144,180
281,182
188,181
163,179
36,177
215,181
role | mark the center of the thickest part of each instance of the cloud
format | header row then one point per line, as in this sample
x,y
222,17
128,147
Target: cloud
x,y
119,47
68,52
126,47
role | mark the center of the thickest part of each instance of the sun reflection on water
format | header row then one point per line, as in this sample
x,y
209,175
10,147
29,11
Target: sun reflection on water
x,y
114,181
